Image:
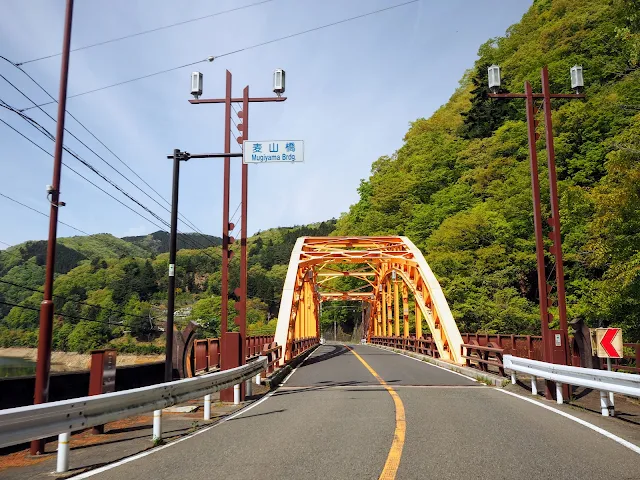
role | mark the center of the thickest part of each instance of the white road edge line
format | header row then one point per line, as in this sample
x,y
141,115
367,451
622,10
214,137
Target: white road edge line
x,y
157,449
428,363
602,431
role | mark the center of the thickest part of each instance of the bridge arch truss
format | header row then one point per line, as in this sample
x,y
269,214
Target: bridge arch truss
x,y
400,294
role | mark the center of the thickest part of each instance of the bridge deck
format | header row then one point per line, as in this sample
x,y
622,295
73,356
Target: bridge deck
x,y
333,419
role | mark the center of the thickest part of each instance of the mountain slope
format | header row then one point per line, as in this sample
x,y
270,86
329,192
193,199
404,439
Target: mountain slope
x,y
459,187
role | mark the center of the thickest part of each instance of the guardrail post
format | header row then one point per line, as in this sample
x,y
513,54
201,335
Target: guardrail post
x,y
236,394
604,403
559,399
63,453
157,425
611,397
513,378
207,407
257,378
534,385
247,389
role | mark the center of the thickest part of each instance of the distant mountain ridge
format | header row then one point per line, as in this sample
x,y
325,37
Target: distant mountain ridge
x,y
158,242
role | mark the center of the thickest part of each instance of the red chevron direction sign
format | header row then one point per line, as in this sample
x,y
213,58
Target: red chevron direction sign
x,y
609,342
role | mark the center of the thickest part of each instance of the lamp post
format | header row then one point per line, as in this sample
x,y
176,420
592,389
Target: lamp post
x,y
553,351
229,360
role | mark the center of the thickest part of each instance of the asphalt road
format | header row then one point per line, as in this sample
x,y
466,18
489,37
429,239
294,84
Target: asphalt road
x,y
334,420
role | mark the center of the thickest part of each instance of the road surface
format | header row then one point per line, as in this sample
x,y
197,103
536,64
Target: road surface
x,y
334,419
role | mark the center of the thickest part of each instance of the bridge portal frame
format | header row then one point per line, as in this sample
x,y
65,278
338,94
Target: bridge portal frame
x,y
390,260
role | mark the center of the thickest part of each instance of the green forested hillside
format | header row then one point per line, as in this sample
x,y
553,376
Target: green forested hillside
x,y
460,185
113,291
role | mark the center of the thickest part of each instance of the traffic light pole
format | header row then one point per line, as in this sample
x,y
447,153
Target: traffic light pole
x,y
45,333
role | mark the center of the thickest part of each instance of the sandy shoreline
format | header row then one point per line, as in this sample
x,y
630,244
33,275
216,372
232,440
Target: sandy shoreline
x,y
69,361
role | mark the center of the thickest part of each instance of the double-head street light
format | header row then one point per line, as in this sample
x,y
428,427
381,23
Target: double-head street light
x,y
554,342
232,348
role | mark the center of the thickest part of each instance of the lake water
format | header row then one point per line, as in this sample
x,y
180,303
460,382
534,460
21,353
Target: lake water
x,y
16,367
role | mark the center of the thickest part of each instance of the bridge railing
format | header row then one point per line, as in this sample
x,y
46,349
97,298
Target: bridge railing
x,y
485,351
18,425
206,352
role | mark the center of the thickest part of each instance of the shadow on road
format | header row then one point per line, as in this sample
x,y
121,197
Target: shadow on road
x,y
314,388
336,351
242,417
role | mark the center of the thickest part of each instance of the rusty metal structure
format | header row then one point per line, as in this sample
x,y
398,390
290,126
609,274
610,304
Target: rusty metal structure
x,y
399,292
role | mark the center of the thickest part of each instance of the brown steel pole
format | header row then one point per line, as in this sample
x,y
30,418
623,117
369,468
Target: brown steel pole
x,y
243,228
224,304
45,335
537,225
555,211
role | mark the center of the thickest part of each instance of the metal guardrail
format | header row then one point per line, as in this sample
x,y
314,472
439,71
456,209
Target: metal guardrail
x,y
22,424
605,381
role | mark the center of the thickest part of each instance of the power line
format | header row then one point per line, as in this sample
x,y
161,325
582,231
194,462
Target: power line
x,y
5,243
41,213
89,166
43,130
236,211
233,52
66,299
185,238
184,218
81,176
62,314
147,31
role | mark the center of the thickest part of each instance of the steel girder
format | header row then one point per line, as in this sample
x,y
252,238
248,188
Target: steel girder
x,y
389,268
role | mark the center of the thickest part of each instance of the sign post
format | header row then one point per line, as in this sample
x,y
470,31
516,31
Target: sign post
x,y
609,345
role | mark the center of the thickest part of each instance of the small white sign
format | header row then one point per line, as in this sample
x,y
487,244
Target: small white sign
x,y
558,340
272,151
172,270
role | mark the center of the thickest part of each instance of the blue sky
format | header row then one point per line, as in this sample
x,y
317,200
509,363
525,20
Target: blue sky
x,y
352,90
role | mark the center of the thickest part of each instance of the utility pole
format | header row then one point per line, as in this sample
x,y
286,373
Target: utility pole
x,y
45,336
549,349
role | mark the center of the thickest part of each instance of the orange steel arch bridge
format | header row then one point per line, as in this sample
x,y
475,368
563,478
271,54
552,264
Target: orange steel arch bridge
x,y
400,293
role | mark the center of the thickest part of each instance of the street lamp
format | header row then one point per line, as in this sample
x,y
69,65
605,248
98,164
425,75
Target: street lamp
x,y
278,81
494,78
231,357
561,337
577,81
196,84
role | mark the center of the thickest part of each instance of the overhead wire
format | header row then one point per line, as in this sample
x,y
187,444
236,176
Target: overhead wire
x,y
147,31
233,52
66,299
84,144
97,172
41,213
5,243
26,307
185,238
80,175
233,216
183,217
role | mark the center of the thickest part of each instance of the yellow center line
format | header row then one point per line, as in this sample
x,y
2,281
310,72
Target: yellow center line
x,y
393,459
